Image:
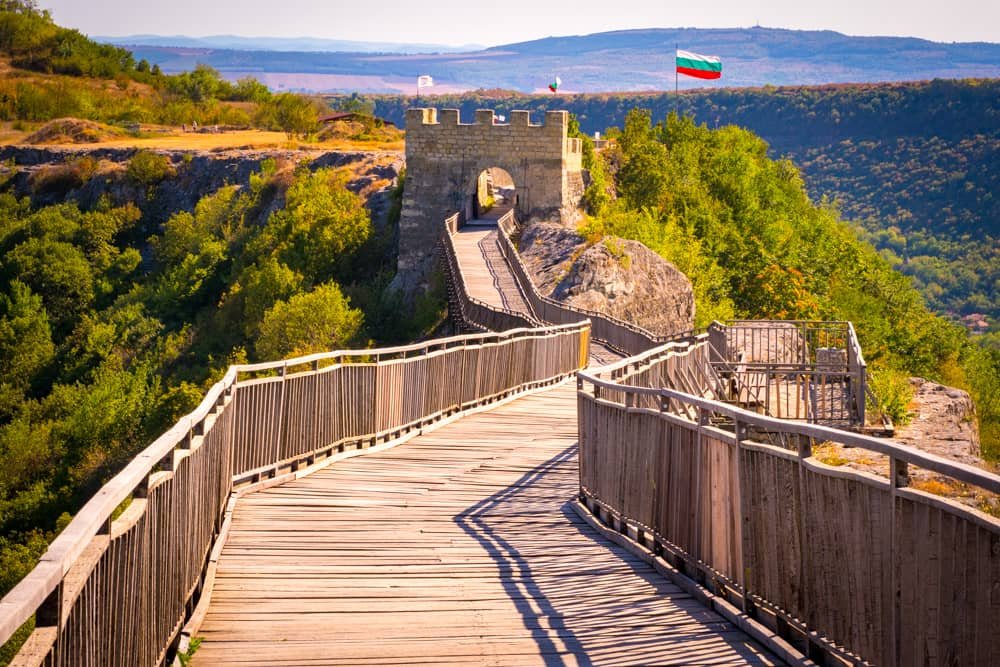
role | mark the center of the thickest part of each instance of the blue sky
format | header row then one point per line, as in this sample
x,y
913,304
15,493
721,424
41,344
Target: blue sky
x,y
505,21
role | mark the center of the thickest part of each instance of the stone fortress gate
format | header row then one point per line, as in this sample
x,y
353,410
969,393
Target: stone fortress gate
x,y
444,160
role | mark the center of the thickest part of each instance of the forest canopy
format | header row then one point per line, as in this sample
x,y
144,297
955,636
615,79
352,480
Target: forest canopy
x,y
743,228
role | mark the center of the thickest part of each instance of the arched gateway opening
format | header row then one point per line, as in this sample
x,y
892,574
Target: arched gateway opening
x,y
495,194
445,161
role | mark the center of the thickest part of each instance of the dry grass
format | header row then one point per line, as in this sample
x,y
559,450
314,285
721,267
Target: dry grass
x,y
829,454
73,131
938,487
983,501
165,138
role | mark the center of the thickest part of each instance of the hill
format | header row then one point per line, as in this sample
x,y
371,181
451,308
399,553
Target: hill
x,y
48,72
915,165
279,44
612,61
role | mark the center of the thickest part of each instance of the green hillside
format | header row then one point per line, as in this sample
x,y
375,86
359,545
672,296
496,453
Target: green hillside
x,y
742,227
47,72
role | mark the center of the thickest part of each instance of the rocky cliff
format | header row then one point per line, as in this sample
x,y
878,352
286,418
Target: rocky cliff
x,y
193,175
944,422
617,277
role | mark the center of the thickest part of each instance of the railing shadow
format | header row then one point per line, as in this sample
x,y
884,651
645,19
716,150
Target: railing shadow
x,y
584,600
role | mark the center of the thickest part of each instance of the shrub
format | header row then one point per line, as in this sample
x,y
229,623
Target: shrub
x,y
59,179
147,168
893,394
316,321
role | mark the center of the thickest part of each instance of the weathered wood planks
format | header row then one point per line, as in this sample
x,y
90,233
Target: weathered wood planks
x,y
855,564
457,547
115,590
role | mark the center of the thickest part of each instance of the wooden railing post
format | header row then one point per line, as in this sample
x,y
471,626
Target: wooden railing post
x,y
280,440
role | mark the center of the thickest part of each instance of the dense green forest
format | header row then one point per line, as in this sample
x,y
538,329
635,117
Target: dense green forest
x,y
112,326
59,72
913,165
743,228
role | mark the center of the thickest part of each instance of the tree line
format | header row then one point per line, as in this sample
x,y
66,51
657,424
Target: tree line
x,y
912,165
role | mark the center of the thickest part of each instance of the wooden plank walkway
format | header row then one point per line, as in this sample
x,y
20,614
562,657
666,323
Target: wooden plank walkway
x,y
482,278
488,277
458,547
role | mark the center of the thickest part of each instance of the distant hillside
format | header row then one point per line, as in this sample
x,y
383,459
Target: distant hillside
x,y
48,72
917,164
280,44
630,60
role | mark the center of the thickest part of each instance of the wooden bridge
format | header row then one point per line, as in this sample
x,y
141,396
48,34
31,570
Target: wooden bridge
x,y
481,499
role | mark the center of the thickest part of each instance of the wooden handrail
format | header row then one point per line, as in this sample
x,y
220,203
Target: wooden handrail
x,y
838,560
961,472
31,592
237,434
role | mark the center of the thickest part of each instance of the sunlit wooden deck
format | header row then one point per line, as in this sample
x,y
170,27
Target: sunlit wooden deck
x,y
457,547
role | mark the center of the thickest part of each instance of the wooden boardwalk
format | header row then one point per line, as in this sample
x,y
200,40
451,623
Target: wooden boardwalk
x,y
484,269
459,546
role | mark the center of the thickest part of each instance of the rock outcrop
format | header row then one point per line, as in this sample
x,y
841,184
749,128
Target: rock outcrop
x,y
616,277
195,174
943,423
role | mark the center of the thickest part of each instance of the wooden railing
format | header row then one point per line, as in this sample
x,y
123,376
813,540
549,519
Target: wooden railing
x,y
473,312
845,564
794,369
116,585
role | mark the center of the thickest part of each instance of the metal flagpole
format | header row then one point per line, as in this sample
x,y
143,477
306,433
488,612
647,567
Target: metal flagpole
x,y
677,102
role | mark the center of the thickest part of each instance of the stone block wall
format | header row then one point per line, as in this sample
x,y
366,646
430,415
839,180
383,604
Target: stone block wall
x,y
445,156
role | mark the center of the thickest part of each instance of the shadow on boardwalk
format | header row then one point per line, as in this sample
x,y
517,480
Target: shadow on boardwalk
x,y
586,601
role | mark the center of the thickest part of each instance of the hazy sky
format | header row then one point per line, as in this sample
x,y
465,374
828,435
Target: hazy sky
x,y
503,21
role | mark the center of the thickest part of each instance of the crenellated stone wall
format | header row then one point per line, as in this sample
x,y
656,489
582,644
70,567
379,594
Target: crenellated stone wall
x,y
444,158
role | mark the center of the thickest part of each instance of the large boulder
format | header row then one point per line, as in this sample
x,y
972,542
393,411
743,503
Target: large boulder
x,y
616,277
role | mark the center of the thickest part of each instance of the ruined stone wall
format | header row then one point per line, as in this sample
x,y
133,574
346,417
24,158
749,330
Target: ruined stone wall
x,y
444,158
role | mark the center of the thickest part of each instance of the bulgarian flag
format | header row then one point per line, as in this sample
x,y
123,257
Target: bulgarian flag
x,y
554,86
699,66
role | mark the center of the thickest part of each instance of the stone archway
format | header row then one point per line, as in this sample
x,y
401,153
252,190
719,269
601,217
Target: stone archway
x,y
444,158
494,194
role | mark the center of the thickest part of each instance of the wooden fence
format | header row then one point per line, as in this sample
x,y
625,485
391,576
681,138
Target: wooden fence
x,y
473,312
116,585
847,565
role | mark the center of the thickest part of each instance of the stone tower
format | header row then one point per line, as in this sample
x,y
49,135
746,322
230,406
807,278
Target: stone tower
x,y
444,158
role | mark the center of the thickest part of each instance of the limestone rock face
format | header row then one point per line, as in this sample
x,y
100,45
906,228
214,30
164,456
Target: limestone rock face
x,y
616,277
943,423
196,174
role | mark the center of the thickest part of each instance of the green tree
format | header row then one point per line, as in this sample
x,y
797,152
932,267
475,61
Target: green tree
x,y
288,112
58,272
321,227
25,344
317,321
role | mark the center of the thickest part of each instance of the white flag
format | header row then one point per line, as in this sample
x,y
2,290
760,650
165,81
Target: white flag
x,y
425,81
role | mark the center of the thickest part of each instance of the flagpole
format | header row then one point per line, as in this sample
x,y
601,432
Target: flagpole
x,y
677,47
